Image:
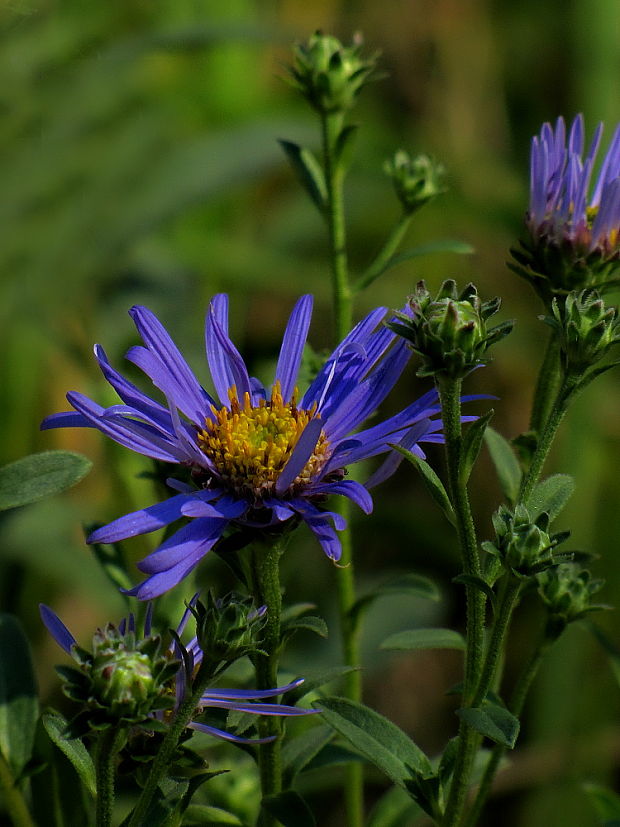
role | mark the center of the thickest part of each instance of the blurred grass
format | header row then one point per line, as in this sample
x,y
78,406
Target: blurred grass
x,y
139,162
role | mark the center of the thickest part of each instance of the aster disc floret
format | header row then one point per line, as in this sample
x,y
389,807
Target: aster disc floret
x,y
129,679
449,331
253,458
572,226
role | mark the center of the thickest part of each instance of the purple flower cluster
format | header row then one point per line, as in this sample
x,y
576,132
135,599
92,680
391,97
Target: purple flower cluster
x,y
259,457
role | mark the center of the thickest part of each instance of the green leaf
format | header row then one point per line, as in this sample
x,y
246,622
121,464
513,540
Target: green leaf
x,y
289,808
472,440
201,814
613,653
443,245
298,752
308,622
505,462
40,475
606,804
424,639
493,721
551,495
477,583
295,610
432,482
55,724
411,584
308,171
377,738
19,708
334,755
394,809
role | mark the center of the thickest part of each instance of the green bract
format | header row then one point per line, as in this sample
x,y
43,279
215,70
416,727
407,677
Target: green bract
x,y
329,75
586,329
523,545
449,331
228,628
416,180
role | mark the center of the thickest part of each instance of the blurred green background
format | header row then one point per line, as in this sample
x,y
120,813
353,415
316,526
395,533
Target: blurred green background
x,y
139,163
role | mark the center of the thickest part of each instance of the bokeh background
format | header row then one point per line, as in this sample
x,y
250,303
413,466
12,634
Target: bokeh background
x,y
139,163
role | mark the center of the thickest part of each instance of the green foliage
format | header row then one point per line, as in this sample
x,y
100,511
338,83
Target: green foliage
x,y
425,639
493,721
18,696
32,478
56,726
290,809
505,462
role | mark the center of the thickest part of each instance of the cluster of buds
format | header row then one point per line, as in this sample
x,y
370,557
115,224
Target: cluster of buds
x,y
330,75
573,239
228,628
416,180
123,680
586,329
566,590
449,331
524,546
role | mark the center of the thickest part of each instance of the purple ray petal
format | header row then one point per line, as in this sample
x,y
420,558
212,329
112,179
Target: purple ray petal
x,y
56,628
195,538
300,455
225,362
250,694
352,489
66,419
142,521
220,733
292,347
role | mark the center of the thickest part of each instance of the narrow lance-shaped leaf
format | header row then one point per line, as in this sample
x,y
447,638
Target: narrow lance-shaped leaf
x,y
18,695
443,245
493,721
308,171
55,726
432,482
505,462
377,738
472,440
298,752
551,495
424,639
36,476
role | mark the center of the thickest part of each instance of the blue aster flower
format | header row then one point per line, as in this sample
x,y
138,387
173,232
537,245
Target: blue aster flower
x,y
186,657
260,457
573,223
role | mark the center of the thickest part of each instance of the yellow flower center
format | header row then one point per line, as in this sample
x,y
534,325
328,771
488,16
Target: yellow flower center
x,y
250,445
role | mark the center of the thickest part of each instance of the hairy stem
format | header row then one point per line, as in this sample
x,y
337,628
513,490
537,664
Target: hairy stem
x,y
331,124
450,393
547,384
109,743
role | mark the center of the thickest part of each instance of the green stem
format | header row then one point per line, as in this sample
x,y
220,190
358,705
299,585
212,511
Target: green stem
x,y
516,707
108,745
331,124
267,592
382,259
450,393
507,599
13,797
569,386
547,384
161,762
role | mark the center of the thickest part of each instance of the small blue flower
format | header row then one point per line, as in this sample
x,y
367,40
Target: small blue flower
x,y
188,657
573,224
259,457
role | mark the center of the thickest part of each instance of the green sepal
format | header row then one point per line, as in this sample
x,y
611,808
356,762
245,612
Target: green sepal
x,y
433,484
308,171
551,495
424,639
36,476
411,584
478,582
505,462
56,726
19,707
289,808
472,442
493,721
299,751
378,739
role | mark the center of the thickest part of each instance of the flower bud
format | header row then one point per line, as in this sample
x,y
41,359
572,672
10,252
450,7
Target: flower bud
x,y
416,180
449,332
586,327
523,545
566,591
329,75
227,628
